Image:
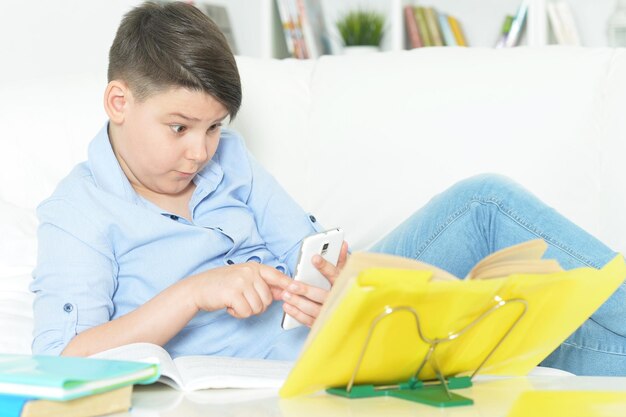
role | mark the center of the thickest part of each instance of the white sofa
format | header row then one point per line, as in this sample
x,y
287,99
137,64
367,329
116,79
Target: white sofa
x,y
360,141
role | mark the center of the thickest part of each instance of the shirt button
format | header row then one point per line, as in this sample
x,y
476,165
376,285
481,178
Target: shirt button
x,y
68,307
313,219
229,262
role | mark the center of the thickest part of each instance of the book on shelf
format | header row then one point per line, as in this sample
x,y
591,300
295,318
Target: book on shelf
x,y
413,34
517,26
510,312
426,26
314,29
457,30
114,401
65,378
304,28
420,18
446,30
432,22
562,23
292,28
504,32
286,25
194,372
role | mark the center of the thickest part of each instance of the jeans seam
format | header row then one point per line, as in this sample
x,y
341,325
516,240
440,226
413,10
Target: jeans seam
x,y
574,345
558,245
511,215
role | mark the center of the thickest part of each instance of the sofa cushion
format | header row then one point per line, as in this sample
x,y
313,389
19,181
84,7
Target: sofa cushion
x,y
18,251
380,134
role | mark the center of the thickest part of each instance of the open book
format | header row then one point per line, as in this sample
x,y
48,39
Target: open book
x,y
393,309
525,257
190,373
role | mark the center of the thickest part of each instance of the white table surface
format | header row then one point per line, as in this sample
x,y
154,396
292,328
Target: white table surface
x,y
492,397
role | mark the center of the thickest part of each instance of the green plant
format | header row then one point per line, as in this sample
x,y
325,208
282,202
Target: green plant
x,y
362,27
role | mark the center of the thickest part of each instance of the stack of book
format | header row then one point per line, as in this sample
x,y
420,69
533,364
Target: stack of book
x,y
562,23
58,386
304,28
428,27
513,27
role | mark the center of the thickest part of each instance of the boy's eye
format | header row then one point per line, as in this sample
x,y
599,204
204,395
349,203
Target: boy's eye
x,y
178,128
215,127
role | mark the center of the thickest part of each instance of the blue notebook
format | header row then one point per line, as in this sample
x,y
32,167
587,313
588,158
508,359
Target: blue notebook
x,y
11,406
65,378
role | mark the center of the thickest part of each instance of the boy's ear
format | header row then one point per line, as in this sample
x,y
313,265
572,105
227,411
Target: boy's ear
x,y
116,100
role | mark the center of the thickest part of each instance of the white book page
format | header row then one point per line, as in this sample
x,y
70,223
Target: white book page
x,y
147,352
217,372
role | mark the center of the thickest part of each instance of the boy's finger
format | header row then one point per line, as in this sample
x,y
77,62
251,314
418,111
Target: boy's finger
x,y
264,291
274,277
240,308
327,269
303,304
254,301
298,315
311,292
343,256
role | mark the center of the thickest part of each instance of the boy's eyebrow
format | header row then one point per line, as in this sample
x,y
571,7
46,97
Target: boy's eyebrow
x,y
194,119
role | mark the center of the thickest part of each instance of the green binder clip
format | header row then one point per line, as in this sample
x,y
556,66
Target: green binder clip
x,y
434,393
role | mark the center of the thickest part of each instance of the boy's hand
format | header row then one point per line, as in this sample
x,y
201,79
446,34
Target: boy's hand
x,y
243,289
304,302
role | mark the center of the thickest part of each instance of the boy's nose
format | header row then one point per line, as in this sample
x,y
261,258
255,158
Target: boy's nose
x,y
197,150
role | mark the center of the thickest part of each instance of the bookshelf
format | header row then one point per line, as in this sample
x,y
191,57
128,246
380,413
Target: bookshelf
x,y
256,24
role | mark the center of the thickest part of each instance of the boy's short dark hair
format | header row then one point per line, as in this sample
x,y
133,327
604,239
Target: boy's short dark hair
x,y
160,46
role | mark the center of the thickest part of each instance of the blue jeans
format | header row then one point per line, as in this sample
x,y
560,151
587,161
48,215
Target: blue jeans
x,y
482,214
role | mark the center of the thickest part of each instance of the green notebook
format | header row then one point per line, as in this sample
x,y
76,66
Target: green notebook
x,y
65,378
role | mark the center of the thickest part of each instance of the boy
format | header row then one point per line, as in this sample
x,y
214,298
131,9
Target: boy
x,y
171,233
170,216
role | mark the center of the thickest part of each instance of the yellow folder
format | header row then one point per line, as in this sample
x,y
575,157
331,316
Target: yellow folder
x,y
570,404
546,307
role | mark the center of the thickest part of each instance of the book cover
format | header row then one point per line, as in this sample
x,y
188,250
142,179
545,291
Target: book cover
x,y
446,30
413,35
420,18
556,24
287,25
532,315
504,31
64,378
114,401
518,25
432,21
566,17
300,47
307,31
455,26
314,28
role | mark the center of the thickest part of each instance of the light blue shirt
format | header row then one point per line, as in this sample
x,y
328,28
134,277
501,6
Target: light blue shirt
x,y
104,251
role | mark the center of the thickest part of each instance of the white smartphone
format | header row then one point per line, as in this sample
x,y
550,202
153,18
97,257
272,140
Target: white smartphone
x,y
328,245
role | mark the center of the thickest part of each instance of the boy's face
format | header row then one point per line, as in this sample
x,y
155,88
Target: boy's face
x,y
163,141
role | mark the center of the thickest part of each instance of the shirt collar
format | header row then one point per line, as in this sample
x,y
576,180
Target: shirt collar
x,y
106,170
110,177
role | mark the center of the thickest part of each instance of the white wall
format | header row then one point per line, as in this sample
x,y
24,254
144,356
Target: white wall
x,y
73,35
57,36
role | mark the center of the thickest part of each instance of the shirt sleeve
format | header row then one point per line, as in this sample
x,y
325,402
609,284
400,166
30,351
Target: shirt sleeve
x,y
74,280
280,220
